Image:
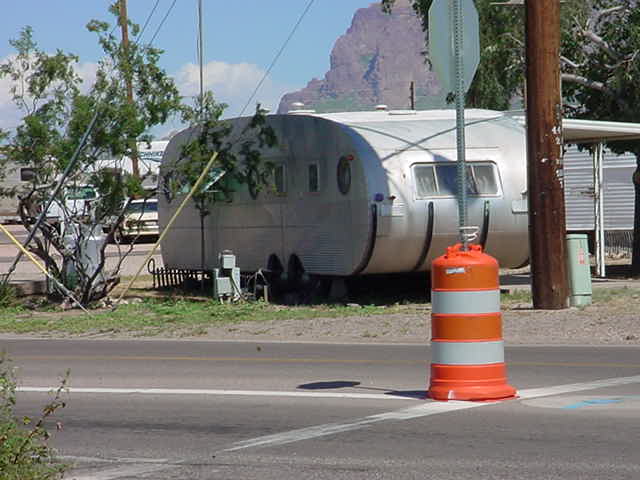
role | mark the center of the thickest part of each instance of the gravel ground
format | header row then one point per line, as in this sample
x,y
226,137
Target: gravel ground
x,y
616,322
589,326
613,319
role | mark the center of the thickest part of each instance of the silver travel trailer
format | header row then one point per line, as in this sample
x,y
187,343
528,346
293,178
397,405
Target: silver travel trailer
x,y
15,176
362,193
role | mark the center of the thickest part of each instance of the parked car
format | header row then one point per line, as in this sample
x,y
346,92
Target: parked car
x,y
140,220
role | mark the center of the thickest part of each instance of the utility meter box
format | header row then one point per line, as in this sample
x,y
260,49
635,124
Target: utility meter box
x,y
226,279
227,260
579,270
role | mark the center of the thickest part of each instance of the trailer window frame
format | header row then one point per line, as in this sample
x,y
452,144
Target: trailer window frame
x,y
343,174
280,187
253,183
313,179
438,179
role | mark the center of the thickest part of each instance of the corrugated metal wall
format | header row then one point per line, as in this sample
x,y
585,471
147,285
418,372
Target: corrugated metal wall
x,y
618,190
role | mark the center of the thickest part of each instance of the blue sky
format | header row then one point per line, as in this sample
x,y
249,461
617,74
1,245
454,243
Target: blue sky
x,y
241,39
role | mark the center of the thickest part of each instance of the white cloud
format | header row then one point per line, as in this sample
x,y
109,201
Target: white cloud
x,y
233,84
87,72
11,115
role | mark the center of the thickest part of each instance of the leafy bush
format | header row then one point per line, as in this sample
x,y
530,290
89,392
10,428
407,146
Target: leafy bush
x,y
24,451
7,294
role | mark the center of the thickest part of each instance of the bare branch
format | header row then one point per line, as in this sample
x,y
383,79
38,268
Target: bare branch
x,y
600,42
514,39
570,63
579,79
605,12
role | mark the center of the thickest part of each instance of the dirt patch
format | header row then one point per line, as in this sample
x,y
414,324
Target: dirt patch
x,y
612,320
612,324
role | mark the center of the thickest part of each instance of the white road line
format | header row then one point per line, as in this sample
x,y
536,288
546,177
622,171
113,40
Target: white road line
x,y
248,393
576,387
431,408
118,460
119,472
424,410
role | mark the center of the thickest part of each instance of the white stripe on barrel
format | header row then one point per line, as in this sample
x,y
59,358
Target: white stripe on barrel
x,y
465,302
467,353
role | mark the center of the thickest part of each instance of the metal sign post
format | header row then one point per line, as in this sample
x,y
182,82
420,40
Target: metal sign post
x,y
455,60
458,40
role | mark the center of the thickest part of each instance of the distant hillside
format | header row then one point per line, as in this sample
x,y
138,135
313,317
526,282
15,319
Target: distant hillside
x,y
374,63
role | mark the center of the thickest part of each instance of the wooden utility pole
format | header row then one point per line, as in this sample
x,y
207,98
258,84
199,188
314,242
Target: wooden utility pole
x,y
124,25
201,57
412,95
544,138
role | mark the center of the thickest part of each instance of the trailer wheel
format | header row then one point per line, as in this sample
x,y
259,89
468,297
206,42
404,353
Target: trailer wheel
x,y
274,265
295,272
302,288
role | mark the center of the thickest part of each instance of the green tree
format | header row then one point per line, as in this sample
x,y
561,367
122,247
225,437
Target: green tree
x,y
601,75
599,62
56,114
239,161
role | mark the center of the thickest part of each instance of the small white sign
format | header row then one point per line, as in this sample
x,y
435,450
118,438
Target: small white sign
x,y
455,271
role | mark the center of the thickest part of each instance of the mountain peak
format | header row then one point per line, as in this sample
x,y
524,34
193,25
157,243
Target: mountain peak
x,y
373,63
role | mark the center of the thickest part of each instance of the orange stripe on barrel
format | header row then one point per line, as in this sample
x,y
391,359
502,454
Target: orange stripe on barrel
x,y
469,327
466,326
470,382
465,270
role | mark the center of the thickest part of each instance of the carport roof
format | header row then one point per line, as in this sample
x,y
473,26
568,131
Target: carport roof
x,y
579,131
590,131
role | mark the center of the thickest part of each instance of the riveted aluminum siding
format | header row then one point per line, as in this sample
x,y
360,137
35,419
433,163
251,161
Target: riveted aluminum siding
x,y
579,190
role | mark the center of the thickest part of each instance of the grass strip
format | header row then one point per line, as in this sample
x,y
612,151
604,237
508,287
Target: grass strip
x,y
154,316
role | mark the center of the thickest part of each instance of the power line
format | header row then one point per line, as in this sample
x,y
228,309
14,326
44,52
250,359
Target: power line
x,y
144,27
163,20
277,57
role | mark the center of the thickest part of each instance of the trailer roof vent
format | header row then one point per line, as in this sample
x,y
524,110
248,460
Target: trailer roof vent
x,y
403,112
297,108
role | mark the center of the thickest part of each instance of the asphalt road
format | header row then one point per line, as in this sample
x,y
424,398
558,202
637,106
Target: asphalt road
x,y
208,410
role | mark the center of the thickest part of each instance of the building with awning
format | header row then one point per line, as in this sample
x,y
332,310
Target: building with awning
x,y
599,192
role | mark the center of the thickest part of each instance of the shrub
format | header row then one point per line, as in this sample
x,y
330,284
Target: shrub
x,y
7,294
24,450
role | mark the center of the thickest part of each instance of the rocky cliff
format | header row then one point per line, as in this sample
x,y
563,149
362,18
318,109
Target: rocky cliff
x,y
373,63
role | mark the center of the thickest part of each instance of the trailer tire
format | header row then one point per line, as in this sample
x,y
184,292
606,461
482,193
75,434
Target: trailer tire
x,y
297,276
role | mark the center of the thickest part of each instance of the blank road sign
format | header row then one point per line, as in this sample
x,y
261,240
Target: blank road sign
x,y
441,42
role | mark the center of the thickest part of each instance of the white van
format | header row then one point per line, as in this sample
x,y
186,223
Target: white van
x,y
77,203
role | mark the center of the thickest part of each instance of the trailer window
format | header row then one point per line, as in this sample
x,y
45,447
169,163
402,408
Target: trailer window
x,y
442,180
485,179
314,178
27,174
253,183
280,179
344,174
425,180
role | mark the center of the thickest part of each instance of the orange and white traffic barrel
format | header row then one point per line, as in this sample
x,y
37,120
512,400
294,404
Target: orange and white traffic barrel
x,y
467,361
